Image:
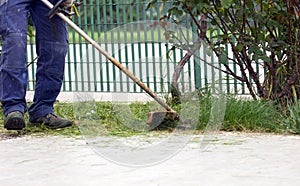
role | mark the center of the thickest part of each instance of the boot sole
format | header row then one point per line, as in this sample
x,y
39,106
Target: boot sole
x,y
55,126
61,125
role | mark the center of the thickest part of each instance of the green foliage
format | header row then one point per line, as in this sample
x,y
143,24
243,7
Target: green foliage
x,y
261,33
226,3
292,117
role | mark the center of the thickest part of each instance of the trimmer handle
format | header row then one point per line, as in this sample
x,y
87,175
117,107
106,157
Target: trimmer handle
x,y
59,7
55,9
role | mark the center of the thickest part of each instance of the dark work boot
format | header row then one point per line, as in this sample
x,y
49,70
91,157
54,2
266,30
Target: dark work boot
x,y
51,121
14,121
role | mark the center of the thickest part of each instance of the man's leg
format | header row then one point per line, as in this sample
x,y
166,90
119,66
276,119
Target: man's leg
x,y
52,46
13,71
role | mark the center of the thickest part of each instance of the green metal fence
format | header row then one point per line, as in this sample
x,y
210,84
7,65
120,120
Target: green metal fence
x,y
126,30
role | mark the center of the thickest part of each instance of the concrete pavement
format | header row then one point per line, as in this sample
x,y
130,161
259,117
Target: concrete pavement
x,y
229,159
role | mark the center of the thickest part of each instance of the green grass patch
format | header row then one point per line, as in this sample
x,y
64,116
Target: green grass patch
x,y
251,115
291,117
242,115
123,36
113,37
116,120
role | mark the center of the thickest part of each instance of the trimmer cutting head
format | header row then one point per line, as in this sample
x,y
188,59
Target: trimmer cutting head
x,y
157,118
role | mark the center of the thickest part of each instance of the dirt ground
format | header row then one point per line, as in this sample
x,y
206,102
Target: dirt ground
x,y
226,159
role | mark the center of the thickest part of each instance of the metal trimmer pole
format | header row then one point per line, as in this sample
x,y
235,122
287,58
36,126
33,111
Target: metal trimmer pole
x,y
109,57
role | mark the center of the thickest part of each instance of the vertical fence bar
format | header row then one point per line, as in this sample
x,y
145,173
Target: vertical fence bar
x,y
68,79
197,62
124,8
92,49
160,51
105,29
227,75
98,19
189,63
132,33
32,66
72,46
118,20
234,80
112,41
145,40
81,60
181,54
153,43
88,65
138,29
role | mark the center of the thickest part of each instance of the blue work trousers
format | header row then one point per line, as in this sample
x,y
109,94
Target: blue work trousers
x,y
51,49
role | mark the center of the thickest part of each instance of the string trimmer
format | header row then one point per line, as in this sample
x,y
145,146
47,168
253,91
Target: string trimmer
x,y
154,118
